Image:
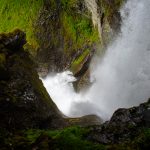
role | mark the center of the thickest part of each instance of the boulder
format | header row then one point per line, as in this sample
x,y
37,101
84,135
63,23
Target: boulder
x,y
24,102
85,121
123,126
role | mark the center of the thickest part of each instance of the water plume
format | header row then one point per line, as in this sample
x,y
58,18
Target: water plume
x,y
122,76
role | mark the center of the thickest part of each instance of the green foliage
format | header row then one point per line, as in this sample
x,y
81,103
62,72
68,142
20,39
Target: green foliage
x,y
2,59
79,60
73,138
79,29
68,4
143,140
19,14
111,7
32,135
78,26
70,138
140,142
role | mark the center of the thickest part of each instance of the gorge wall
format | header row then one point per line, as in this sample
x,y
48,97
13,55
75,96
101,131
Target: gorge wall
x,y
69,32
62,33
24,102
29,118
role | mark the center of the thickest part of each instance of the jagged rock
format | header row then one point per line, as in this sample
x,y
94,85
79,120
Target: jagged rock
x,y
24,102
124,124
61,40
14,40
85,121
43,69
82,74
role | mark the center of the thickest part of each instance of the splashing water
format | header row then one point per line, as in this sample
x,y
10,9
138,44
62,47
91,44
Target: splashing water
x,y
122,77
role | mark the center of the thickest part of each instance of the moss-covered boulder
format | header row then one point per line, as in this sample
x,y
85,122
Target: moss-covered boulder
x,y
124,126
128,129
24,102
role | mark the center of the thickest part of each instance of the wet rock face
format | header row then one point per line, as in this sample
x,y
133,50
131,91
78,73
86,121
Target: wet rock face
x,y
13,41
124,124
64,30
24,102
58,51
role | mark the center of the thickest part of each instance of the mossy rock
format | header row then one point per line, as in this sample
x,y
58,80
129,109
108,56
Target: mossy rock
x,y
24,102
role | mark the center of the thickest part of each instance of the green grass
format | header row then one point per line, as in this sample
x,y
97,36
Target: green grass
x,y
79,60
70,138
20,14
140,142
78,26
80,29
73,138
23,13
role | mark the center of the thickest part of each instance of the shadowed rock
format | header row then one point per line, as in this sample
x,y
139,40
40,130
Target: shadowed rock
x,y
24,102
124,124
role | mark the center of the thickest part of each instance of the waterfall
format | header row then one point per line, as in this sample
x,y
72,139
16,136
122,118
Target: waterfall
x,y
122,76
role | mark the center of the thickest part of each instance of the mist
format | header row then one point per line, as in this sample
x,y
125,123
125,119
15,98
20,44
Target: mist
x,y
121,77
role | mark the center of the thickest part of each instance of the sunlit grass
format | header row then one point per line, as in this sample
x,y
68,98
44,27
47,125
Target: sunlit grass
x,y
20,14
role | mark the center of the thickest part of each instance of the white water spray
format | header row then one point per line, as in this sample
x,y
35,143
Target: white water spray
x,y
122,76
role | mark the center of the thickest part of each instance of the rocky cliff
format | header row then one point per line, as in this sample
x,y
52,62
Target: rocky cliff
x,y
68,31
24,102
124,126
29,117
61,34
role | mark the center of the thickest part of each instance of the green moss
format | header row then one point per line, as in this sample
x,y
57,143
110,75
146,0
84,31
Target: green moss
x,y
79,60
111,7
66,139
78,26
73,138
20,14
140,142
32,135
27,64
80,30
2,59
69,3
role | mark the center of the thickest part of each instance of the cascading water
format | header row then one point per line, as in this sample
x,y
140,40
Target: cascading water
x,y
122,77
61,90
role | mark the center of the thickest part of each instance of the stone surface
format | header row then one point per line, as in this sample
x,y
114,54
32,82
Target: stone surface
x,y
124,125
58,31
24,102
85,121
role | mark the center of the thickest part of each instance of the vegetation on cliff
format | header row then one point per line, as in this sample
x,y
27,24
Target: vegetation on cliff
x,y
20,14
24,102
70,138
28,115
59,32
74,34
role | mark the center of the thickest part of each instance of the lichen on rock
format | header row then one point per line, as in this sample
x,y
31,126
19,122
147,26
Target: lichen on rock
x,y
24,102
